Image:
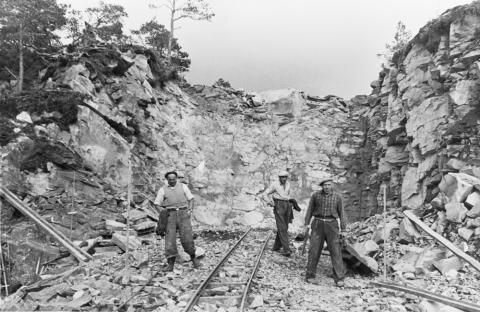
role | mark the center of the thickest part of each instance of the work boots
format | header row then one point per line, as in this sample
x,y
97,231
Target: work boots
x,y
195,261
170,264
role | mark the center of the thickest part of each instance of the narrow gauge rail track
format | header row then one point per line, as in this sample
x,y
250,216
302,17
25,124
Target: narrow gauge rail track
x,y
215,286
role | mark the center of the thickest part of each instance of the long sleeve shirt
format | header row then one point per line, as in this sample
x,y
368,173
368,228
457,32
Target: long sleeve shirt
x,y
324,205
279,191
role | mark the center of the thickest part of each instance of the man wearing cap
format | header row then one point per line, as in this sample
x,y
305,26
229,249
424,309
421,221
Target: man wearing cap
x,y
281,195
177,199
326,209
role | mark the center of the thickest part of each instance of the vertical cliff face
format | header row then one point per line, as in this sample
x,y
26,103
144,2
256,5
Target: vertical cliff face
x,y
429,102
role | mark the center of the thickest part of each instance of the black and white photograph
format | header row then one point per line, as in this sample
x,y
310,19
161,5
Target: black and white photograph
x,y
240,155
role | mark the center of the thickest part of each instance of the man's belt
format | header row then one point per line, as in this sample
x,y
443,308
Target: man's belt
x,y
325,218
176,209
285,200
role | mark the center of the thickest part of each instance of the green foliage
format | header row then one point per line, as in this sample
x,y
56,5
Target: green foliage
x,y
106,20
187,9
6,131
400,41
38,19
30,26
196,10
222,83
60,107
156,36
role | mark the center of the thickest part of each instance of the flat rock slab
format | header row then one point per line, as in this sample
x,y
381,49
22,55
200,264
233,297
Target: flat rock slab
x,y
368,247
358,261
446,265
114,225
456,212
135,215
121,241
145,225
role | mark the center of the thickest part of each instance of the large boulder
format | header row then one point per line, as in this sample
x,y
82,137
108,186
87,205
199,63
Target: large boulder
x,y
456,212
474,212
473,200
457,186
283,101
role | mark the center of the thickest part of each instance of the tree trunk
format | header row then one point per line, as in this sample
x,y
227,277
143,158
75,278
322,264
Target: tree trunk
x,y
172,28
20,62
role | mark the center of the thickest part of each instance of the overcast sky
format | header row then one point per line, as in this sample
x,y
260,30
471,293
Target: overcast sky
x,y
317,46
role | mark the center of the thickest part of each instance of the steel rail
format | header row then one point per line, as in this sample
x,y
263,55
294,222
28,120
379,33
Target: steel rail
x,y
465,306
194,298
255,269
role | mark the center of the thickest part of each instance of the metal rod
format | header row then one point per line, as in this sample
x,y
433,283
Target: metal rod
x,y
127,247
385,234
78,253
72,208
255,269
2,263
469,307
194,298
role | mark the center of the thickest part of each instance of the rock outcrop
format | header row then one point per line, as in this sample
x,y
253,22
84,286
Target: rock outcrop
x,y
428,100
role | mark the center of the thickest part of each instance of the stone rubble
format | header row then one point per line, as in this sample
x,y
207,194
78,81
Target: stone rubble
x,y
417,134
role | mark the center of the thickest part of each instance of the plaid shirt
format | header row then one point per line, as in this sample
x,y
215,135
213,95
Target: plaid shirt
x,y
326,205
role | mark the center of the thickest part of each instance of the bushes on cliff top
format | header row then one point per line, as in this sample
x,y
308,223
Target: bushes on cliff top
x,y
430,34
60,107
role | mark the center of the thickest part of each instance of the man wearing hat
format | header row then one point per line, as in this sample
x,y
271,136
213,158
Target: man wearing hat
x,y
177,199
326,210
281,194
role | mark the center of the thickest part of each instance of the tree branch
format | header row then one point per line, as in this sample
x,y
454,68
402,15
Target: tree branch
x,y
10,72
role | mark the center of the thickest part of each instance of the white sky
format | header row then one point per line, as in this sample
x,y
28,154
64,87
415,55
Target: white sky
x,y
318,46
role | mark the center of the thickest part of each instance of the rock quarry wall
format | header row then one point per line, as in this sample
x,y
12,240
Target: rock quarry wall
x,y
425,108
103,117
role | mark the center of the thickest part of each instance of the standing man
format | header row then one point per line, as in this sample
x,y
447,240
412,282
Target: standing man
x,y
177,199
282,210
326,209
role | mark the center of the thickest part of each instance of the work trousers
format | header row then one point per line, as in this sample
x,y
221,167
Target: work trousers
x,y
321,231
283,215
179,219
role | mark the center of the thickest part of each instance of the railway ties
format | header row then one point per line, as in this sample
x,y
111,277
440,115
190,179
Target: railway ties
x,y
227,285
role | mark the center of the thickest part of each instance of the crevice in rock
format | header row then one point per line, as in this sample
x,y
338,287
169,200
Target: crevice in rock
x,y
124,131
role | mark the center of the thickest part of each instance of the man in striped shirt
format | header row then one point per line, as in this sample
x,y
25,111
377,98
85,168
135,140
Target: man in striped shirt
x,y
329,218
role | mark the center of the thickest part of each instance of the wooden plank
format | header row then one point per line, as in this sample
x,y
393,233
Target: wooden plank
x,y
35,217
465,306
442,240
